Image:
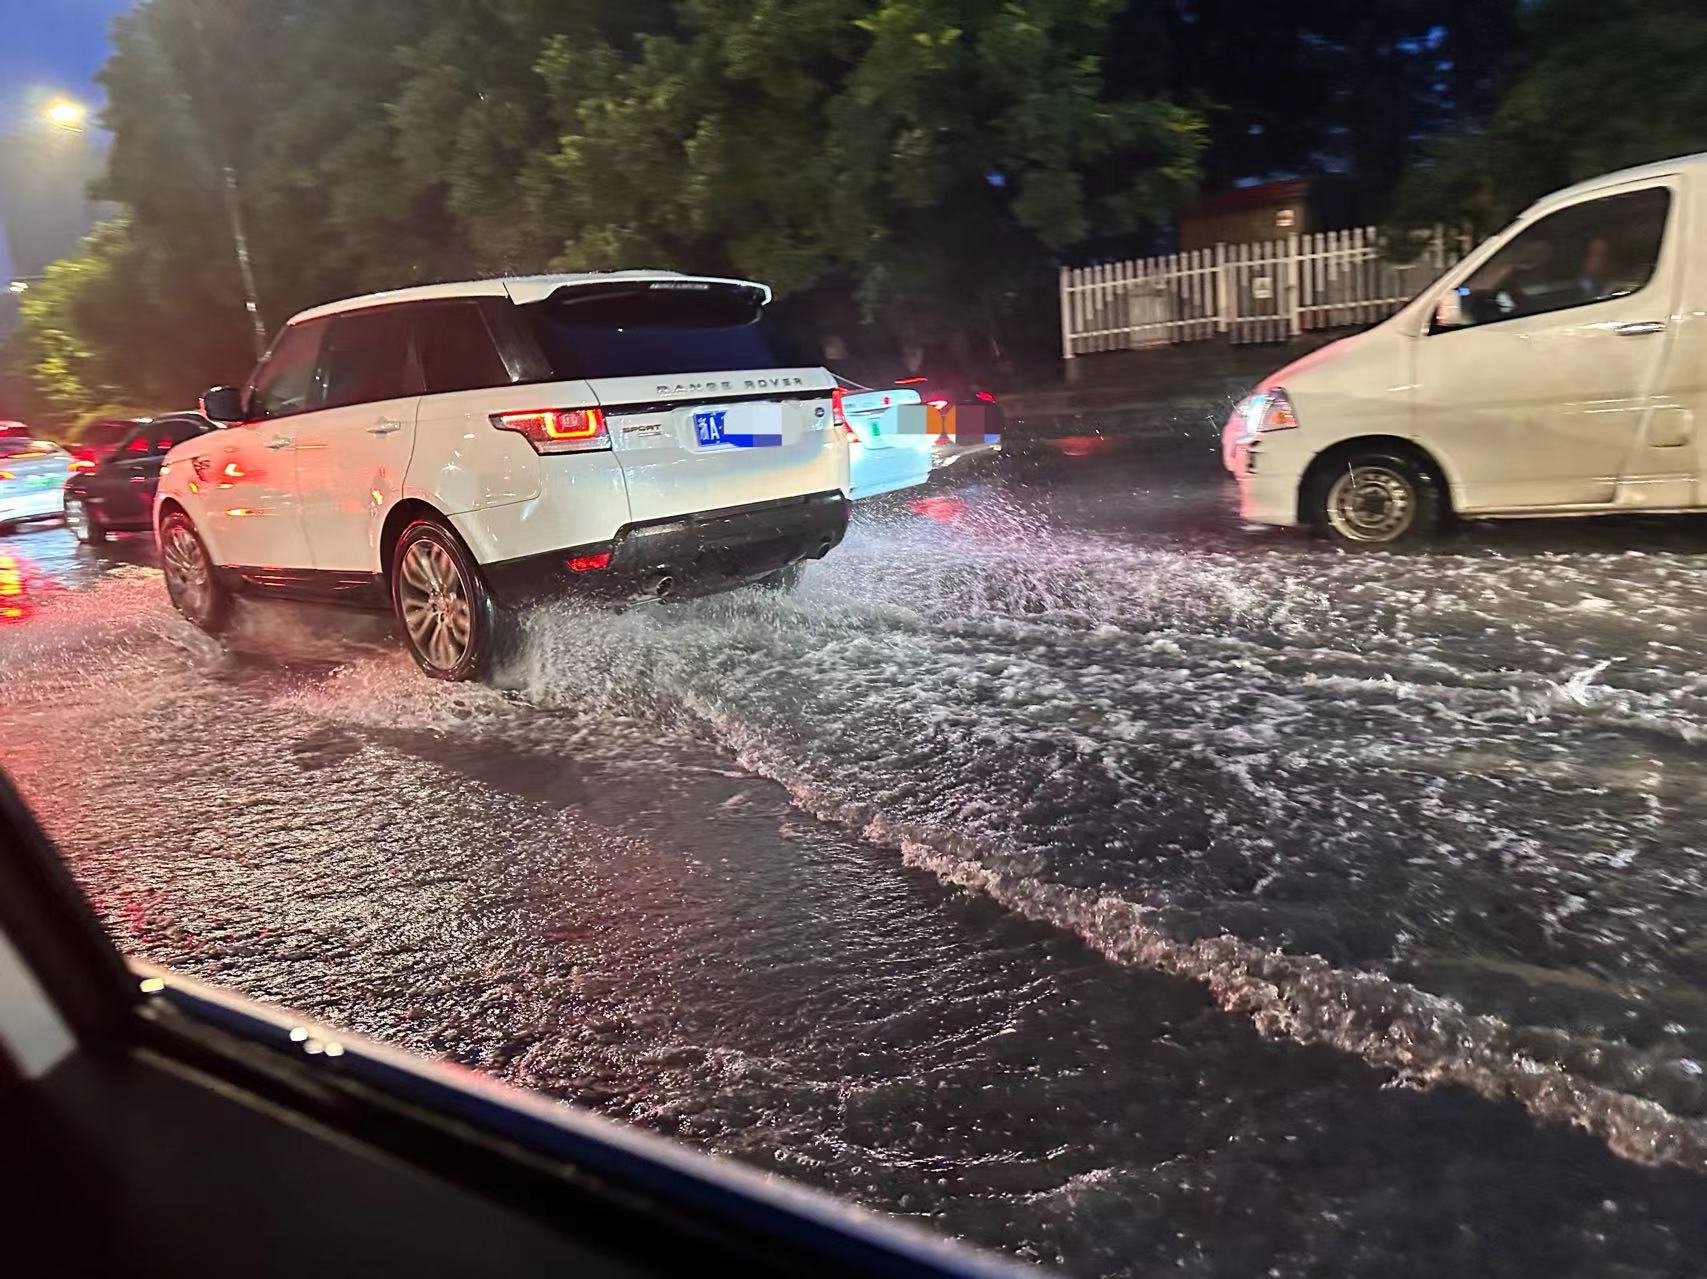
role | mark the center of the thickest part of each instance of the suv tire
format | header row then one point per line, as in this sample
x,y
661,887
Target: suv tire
x,y
449,620
191,579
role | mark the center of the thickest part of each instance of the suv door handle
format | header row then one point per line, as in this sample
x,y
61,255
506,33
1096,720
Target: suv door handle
x,y
278,442
385,426
1640,328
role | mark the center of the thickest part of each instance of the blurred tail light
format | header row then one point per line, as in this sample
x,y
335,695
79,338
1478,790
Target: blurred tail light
x,y
588,563
986,397
840,415
558,430
940,405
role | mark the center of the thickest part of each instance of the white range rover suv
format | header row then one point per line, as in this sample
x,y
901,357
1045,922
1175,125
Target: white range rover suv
x,y
454,451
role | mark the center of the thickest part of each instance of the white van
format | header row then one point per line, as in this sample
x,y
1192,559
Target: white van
x,y
1556,371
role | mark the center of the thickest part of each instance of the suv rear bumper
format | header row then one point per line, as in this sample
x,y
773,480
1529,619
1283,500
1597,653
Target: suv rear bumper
x,y
686,555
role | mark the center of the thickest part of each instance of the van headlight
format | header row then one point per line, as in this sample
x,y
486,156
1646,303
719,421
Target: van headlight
x,y
1273,412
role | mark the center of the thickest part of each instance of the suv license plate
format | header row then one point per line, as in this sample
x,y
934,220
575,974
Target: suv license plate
x,y
744,428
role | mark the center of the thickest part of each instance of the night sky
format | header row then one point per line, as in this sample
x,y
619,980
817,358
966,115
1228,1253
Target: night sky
x,y
49,48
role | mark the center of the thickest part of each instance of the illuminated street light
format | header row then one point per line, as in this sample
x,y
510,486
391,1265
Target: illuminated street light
x,y
63,113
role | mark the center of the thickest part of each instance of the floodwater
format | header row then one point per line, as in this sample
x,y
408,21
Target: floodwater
x,y
1063,866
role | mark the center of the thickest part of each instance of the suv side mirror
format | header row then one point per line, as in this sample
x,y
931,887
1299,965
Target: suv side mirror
x,y
223,404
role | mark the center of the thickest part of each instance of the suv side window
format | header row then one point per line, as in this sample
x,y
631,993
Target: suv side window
x,y
367,357
456,348
286,376
1589,252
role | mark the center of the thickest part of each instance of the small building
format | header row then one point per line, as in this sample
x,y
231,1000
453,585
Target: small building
x,y
1243,215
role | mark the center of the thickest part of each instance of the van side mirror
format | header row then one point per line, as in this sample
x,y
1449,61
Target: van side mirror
x,y
1448,312
223,404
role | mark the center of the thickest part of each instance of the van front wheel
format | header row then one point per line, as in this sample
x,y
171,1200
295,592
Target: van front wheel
x,y
1375,498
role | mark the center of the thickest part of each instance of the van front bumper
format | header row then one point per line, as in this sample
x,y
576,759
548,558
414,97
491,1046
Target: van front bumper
x,y
683,556
1270,469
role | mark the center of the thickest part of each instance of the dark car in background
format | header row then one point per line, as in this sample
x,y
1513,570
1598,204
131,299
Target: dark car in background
x,y
115,493
100,438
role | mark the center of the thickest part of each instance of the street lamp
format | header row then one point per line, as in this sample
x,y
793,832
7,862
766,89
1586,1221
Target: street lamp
x,y
63,113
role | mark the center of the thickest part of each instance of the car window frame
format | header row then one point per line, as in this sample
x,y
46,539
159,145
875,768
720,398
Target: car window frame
x,y
195,426
411,356
122,451
478,305
318,324
1478,261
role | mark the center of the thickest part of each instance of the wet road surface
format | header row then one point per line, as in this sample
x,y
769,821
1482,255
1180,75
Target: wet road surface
x,y
1063,866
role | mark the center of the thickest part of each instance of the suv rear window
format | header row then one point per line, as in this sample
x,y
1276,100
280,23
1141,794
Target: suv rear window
x,y
589,334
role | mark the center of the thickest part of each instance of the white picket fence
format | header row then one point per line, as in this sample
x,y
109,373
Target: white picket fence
x,y
1264,292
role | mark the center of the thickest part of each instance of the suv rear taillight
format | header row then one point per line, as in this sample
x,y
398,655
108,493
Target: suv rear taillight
x,y
840,415
558,430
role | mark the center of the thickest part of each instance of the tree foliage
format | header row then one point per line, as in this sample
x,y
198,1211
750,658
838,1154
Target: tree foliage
x,y
914,164
1608,83
911,168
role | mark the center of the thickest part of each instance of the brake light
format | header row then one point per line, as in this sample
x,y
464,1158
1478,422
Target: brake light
x,y
910,381
986,397
840,415
588,563
558,430
940,405
138,445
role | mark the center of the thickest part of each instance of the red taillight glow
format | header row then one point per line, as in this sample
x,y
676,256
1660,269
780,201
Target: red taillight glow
x,y
588,563
986,397
138,445
17,606
557,430
941,406
233,471
840,415
910,381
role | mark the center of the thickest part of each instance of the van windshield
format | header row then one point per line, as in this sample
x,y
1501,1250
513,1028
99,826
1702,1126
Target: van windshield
x,y
642,331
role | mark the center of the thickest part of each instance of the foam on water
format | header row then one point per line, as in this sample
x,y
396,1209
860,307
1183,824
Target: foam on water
x,y
1009,707
1441,812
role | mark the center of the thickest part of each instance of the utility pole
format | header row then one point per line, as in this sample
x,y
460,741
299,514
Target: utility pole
x,y
232,193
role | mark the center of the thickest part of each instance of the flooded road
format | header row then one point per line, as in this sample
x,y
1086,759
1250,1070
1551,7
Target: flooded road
x,y
1063,865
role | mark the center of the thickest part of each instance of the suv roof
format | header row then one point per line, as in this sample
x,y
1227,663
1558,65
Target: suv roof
x,y
520,289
